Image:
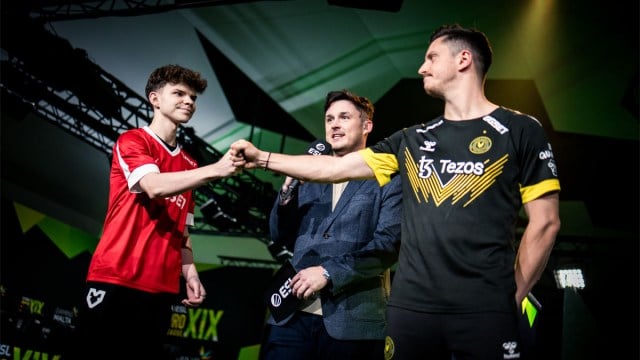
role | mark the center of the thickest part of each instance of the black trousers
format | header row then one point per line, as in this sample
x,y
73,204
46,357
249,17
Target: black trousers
x,y
115,322
434,336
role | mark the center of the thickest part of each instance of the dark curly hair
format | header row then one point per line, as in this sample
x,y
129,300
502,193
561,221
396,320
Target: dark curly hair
x,y
175,74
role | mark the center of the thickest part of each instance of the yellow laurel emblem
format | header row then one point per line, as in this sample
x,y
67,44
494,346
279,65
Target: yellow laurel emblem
x,y
480,145
389,348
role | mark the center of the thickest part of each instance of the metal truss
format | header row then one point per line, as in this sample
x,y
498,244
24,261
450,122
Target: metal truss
x,y
233,206
65,109
57,10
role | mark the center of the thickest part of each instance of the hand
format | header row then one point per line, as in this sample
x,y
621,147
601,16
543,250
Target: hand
x,y
286,183
308,281
195,292
226,166
244,154
286,191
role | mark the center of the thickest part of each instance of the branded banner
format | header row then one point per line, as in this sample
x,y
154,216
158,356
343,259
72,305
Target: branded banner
x,y
41,286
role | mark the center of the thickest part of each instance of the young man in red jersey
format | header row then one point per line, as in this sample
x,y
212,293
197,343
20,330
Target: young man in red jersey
x,y
134,275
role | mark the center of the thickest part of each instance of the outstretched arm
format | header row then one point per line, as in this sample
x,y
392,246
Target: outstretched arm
x,y
159,185
327,169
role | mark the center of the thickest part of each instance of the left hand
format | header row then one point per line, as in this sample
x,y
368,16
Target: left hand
x,y
308,281
195,292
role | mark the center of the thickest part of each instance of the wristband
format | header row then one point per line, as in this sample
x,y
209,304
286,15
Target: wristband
x,y
326,275
266,164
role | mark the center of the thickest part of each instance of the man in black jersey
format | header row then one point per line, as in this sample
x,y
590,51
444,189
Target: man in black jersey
x,y
465,176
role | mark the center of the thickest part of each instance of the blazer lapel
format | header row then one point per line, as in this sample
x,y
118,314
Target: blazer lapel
x,y
349,192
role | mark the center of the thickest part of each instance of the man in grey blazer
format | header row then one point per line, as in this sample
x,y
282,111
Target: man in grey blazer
x,y
345,237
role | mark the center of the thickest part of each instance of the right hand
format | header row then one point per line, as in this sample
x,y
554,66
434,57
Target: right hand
x,y
226,166
284,197
286,183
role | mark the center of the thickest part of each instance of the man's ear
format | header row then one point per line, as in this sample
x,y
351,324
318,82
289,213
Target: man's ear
x,y
367,126
153,99
464,59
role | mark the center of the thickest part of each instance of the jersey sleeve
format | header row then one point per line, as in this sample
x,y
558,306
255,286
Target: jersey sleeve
x,y
190,215
383,165
539,173
135,159
382,157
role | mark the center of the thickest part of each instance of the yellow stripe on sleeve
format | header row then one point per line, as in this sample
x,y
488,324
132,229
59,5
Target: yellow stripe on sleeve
x,y
533,192
383,165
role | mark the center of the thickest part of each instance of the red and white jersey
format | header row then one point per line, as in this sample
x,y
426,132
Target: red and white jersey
x,y
142,238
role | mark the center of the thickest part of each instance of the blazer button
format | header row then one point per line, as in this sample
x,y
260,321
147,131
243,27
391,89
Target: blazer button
x,y
326,236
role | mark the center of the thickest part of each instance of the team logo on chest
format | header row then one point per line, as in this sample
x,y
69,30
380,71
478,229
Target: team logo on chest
x,y
480,145
439,180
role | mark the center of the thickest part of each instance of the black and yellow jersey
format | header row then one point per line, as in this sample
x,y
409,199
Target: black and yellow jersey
x,y
464,183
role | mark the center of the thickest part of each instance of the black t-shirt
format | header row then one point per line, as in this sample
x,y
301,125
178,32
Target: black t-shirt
x,y
464,183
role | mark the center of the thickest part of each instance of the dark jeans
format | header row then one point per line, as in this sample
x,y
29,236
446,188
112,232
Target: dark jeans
x,y
304,337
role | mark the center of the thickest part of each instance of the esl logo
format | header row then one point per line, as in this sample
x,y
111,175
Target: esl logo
x,y
283,292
